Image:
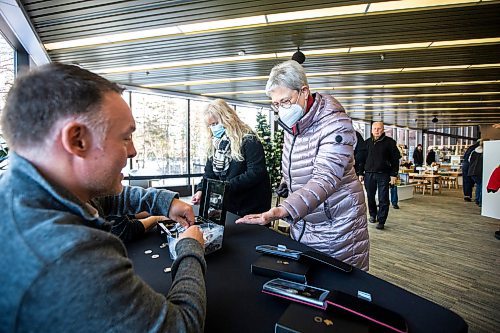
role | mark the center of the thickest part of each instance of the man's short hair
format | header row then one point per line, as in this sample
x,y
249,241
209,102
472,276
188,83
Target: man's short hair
x,y
42,96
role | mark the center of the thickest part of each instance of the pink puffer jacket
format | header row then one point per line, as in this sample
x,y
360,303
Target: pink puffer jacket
x,y
324,191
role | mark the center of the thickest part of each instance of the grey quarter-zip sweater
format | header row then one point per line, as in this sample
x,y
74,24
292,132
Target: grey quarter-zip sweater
x,y
61,270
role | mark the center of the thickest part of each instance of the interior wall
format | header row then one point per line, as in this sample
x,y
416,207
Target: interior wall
x,y
491,132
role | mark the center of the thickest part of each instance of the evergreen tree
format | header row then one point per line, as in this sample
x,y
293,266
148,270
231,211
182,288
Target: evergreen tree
x,y
273,148
278,141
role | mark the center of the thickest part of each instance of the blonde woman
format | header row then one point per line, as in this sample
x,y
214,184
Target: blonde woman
x,y
236,155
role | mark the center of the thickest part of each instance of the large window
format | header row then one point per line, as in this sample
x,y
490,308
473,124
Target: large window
x,y
389,131
6,69
199,136
161,135
248,115
359,126
6,81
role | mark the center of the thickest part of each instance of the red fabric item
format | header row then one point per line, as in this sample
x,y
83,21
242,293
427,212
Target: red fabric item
x,y
494,182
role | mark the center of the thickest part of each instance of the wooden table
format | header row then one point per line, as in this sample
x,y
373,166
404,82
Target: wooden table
x,y
433,179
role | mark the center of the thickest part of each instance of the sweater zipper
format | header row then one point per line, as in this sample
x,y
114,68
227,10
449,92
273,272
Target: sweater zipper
x,y
290,164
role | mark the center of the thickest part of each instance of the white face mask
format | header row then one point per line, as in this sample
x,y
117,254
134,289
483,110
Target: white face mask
x,y
291,115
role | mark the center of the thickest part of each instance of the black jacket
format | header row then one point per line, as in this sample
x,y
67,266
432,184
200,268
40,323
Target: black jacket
x,y
360,152
476,164
418,157
249,183
465,162
383,156
431,157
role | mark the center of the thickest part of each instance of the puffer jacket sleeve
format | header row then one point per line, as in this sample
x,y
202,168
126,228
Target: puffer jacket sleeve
x,y
334,153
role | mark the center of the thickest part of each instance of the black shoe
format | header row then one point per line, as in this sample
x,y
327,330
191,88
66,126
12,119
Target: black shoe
x,y
395,206
380,226
467,199
372,219
477,203
497,234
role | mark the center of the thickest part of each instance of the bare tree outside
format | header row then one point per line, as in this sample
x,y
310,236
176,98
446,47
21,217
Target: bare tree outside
x,y
161,135
6,81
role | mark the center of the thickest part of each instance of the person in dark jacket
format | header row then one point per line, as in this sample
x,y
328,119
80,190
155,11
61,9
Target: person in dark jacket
x,y
131,227
236,155
431,157
476,170
468,183
380,171
418,157
360,153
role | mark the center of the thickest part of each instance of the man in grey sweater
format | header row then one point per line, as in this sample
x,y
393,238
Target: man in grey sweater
x,y
70,134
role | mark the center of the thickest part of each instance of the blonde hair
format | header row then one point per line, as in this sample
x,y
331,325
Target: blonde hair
x,y
236,129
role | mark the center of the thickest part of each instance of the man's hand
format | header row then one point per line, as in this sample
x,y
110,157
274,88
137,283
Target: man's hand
x,y
196,199
393,180
361,178
195,233
181,212
264,218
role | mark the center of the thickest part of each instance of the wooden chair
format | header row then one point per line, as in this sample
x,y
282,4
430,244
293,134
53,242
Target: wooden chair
x,y
453,182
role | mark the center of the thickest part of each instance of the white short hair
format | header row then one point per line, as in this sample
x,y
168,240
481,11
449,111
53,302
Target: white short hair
x,y
289,74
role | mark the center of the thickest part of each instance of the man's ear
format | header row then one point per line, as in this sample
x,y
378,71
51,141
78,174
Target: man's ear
x,y
76,138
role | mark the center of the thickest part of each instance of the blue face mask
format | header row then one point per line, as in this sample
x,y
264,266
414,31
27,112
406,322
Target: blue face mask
x,y
290,116
217,130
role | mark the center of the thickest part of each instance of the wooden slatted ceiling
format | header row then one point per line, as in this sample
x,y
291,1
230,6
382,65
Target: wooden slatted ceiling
x,y
57,21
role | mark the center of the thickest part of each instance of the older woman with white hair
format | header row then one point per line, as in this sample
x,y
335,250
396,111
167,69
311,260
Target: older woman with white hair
x,y
326,204
235,155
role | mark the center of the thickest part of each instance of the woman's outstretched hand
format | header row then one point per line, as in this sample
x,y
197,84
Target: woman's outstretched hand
x,y
274,213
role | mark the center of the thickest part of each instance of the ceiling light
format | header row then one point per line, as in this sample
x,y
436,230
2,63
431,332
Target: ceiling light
x,y
434,68
106,39
389,47
413,4
244,92
467,42
222,24
317,13
204,82
484,66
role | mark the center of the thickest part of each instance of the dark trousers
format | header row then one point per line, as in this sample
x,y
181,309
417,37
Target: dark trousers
x,y
394,195
378,182
478,180
468,183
